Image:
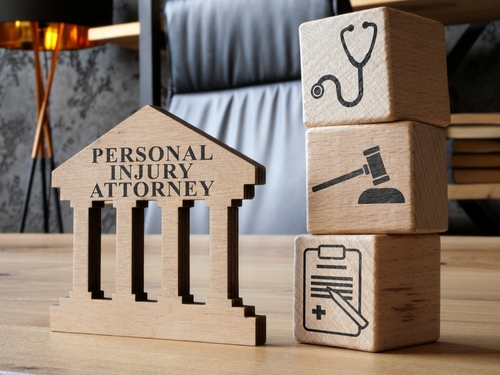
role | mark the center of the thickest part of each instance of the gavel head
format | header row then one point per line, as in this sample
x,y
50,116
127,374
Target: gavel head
x,y
376,165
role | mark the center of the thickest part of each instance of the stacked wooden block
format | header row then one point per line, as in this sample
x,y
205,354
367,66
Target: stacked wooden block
x,y
375,96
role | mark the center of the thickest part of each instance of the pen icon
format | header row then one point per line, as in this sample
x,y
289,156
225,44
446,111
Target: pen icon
x,y
349,310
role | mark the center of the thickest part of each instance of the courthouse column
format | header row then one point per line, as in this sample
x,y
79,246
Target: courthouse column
x,y
129,250
175,250
87,250
223,253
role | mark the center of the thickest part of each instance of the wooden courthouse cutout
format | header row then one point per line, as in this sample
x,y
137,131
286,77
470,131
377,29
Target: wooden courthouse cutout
x,y
154,155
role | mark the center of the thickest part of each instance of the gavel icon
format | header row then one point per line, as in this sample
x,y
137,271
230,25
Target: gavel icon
x,y
374,166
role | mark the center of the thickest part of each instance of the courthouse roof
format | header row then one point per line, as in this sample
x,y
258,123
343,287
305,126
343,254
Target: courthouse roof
x,y
154,155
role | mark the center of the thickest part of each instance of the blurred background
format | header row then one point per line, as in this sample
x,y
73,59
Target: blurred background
x,y
94,89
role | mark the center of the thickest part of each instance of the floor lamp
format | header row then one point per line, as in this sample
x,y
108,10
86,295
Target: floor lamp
x,y
48,25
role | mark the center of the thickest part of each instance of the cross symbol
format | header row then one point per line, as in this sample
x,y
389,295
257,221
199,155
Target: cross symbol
x,y
318,312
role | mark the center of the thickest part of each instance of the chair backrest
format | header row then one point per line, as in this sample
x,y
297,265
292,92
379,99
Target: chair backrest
x,y
234,72
226,44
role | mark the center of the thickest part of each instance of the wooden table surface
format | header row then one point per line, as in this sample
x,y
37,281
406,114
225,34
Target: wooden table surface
x,y
36,269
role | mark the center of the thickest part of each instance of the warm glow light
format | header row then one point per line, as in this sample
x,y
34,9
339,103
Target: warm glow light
x,y
17,35
50,39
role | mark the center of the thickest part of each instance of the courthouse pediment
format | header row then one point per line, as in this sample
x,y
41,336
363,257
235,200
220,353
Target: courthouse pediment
x,y
153,155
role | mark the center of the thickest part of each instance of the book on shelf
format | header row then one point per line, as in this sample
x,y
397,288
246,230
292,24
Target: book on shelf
x,y
473,175
474,145
474,118
469,160
473,131
474,126
473,148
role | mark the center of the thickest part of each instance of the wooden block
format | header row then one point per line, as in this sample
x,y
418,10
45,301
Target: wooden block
x,y
389,178
154,155
378,65
367,292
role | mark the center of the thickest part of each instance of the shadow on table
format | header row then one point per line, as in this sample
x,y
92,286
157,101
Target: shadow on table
x,y
443,348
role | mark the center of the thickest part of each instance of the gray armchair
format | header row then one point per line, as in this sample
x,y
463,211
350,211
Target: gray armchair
x,y
234,72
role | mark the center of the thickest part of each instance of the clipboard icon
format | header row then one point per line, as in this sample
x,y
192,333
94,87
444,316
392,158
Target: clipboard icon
x,y
332,291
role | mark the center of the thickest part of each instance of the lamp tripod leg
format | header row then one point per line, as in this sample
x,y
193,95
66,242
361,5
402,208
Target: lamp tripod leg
x,y
52,166
42,134
47,137
27,195
44,191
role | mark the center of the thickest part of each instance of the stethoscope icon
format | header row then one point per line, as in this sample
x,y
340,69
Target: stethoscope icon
x,y
318,90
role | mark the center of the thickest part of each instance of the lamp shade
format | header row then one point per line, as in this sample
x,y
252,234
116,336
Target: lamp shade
x,y
77,17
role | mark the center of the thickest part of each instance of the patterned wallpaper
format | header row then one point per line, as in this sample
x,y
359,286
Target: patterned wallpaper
x,y
96,88
93,90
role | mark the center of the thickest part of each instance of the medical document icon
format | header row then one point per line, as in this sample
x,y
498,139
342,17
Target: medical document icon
x,y
332,291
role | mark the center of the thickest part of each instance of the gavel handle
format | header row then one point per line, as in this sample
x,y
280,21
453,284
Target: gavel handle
x,y
337,180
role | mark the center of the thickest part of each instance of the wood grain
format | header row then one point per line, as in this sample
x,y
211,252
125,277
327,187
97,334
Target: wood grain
x,y
410,163
36,269
154,155
374,66
384,291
